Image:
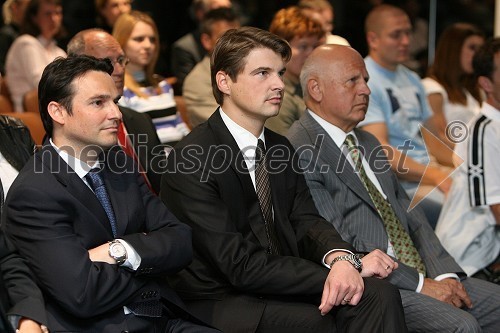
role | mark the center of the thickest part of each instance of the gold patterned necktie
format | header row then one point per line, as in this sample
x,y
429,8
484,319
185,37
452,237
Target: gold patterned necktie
x,y
263,189
403,246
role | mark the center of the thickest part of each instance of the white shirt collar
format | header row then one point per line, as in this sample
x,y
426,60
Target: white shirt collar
x,y
243,138
337,135
80,167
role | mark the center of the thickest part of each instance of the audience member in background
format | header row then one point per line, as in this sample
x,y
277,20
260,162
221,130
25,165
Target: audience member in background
x,y
16,147
144,92
21,300
188,50
13,15
146,146
362,198
322,11
265,261
469,223
304,34
452,89
35,49
197,88
398,107
98,241
108,12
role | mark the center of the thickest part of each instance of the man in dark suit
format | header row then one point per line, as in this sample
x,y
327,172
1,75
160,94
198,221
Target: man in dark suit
x,y
264,259
20,297
98,241
437,299
137,133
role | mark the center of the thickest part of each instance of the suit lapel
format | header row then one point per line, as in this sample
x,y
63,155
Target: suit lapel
x,y
227,147
336,160
75,186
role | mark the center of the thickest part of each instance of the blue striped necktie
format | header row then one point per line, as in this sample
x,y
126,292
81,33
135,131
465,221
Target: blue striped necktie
x,y
97,184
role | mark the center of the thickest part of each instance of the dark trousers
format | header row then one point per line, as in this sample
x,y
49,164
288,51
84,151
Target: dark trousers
x,y
380,310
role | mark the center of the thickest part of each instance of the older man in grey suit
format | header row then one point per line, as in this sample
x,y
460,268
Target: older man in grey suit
x,y
353,187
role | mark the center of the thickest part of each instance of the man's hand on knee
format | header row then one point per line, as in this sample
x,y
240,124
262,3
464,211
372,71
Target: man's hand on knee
x,y
450,291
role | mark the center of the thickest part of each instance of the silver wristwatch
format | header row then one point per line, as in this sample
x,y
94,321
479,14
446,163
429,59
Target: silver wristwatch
x,y
354,259
117,251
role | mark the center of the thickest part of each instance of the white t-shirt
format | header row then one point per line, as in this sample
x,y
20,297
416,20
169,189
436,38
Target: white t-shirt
x,y
466,226
453,111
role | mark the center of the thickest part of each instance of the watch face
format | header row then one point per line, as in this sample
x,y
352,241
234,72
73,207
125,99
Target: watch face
x,y
117,250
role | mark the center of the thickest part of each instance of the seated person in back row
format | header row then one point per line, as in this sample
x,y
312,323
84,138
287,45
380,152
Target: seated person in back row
x,y
197,88
144,92
264,260
398,107
355,190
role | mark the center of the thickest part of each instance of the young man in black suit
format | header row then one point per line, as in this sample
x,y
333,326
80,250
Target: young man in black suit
x,y
98,241
264,260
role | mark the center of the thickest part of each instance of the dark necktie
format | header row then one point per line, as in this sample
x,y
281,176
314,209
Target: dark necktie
x,y
263,189
403,246
97,184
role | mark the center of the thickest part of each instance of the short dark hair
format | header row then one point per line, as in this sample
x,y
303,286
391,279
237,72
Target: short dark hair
x,y
484,59
225,14
56,84
235,45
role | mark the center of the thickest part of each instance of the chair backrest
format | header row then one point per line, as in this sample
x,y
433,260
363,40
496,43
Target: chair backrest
x,y
30,101
34,123
6,105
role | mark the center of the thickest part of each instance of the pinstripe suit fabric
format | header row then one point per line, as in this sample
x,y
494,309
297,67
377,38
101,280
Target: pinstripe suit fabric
x,y
342,199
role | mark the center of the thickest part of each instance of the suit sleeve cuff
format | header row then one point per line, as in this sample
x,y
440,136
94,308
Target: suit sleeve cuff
x,y
326,254
133,258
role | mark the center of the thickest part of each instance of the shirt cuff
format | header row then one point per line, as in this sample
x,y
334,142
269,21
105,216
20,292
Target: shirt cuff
x,y
420,282
133,258
334,250
437,278
447,276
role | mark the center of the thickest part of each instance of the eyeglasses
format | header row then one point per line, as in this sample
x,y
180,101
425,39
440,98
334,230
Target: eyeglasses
x,y
121,60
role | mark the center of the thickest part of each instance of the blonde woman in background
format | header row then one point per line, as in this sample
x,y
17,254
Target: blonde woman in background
x,y
144,91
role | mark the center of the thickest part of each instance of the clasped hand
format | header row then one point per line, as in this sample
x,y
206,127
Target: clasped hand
x,y
344,284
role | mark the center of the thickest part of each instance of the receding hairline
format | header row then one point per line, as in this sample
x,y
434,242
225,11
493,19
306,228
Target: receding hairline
x,y
376,18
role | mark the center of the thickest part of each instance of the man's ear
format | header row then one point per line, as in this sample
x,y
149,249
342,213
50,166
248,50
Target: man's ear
x,y
371,39
57,112
206,41
223,82
314,90
485,83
